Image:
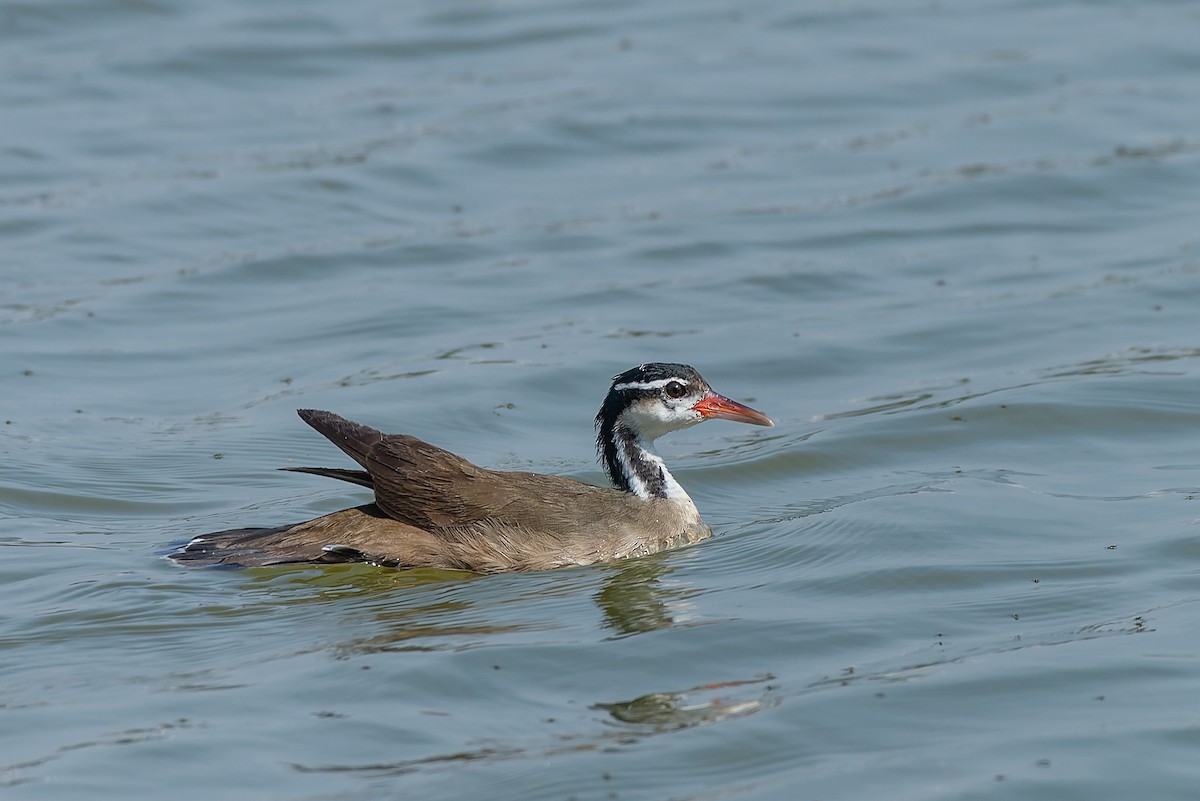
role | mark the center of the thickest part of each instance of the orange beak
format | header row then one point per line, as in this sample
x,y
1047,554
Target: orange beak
x,y
721,407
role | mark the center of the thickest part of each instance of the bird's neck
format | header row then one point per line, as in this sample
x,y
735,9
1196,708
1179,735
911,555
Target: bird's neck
x,y
633,467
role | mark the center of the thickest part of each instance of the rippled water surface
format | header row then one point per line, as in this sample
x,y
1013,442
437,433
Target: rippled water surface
x,y
949,247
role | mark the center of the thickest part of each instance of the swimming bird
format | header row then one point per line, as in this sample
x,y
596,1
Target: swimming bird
x,y
435,509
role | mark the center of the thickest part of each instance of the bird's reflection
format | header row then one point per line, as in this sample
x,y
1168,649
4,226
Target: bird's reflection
x,y
697,706
635,599
412,609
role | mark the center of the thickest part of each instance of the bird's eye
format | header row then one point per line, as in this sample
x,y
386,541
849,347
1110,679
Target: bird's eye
x,y
675,390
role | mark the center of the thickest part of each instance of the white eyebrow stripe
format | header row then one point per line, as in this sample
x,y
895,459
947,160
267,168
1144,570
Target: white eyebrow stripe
x,y
656,384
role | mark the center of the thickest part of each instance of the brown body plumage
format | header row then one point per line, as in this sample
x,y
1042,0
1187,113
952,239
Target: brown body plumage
x,y
435,509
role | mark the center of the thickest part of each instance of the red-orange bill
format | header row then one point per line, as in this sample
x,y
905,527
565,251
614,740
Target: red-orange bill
x,y
718,406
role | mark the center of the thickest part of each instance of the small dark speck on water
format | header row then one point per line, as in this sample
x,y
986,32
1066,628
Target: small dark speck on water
x,y
1016,616
218,456
957,418
1110,547
26,372
1037,581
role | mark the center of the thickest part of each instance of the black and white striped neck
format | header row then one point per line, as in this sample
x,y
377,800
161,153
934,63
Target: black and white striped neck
x,y
632,467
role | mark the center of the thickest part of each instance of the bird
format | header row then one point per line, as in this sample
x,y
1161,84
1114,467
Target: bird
x,y
434,509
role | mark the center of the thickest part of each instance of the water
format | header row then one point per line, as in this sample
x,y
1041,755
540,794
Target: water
x,y
949,248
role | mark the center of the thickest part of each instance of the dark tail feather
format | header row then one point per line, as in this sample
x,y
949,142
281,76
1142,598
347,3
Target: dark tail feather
x,y
260,547
236,547
360,477
355,439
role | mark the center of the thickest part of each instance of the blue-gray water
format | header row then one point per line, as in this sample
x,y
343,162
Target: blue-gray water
x,y
951,247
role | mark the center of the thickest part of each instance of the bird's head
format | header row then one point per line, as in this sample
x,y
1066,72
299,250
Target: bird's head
x,y
657,398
